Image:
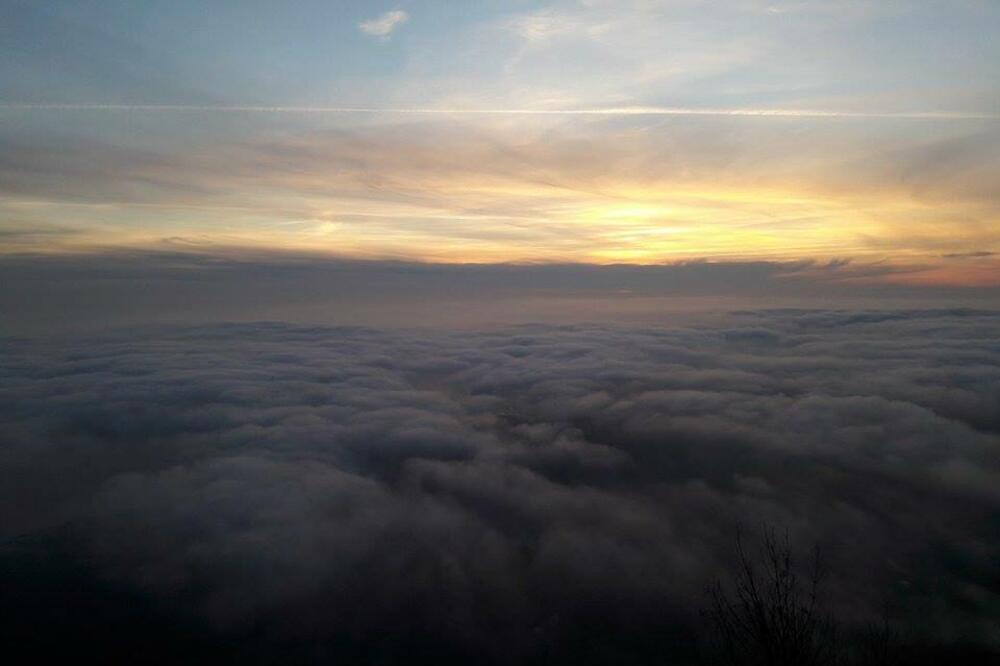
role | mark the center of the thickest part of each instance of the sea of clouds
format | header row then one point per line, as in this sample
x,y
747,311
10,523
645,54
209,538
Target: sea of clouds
x,y
534,493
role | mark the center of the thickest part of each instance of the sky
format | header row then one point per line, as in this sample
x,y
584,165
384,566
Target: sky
x,y
450,332
582,132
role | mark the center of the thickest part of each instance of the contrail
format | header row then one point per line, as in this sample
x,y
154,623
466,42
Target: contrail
x,y
611,111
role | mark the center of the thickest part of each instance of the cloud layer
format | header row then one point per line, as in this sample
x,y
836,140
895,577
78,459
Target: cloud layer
x,y
187,282
434,187
528,494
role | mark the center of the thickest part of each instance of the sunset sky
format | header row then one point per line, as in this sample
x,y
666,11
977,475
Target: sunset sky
x,y
500,332
582,131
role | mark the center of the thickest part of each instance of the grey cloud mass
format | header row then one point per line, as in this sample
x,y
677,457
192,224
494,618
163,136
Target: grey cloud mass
x,y
536,494
187,282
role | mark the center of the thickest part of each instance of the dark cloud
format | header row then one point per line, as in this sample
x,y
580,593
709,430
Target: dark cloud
x,y
184,284
530,494
969,255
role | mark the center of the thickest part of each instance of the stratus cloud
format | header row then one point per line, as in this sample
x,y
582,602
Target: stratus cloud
x,y
385,24
188,281
511,490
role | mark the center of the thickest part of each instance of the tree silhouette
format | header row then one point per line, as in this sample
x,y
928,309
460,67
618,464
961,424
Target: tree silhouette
x,y
879,643
769,615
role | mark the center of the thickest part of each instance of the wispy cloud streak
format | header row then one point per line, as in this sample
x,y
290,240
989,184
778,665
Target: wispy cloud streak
x,y
385,24
609,111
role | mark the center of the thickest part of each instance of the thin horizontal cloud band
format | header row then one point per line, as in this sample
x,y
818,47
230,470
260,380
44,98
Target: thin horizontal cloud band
x,y
611,111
